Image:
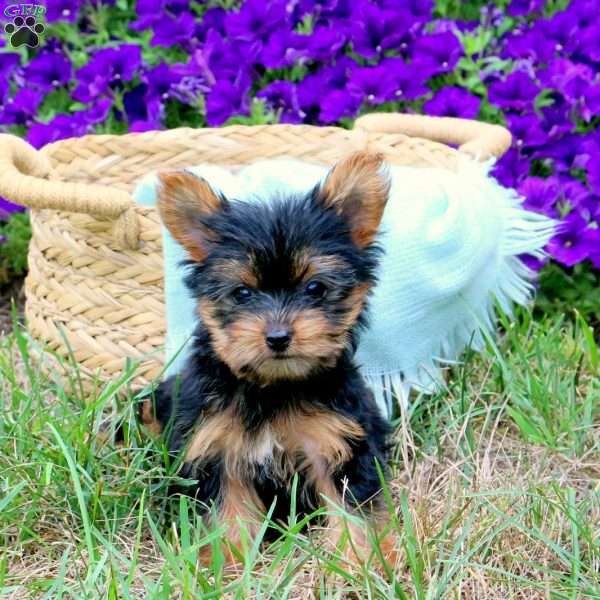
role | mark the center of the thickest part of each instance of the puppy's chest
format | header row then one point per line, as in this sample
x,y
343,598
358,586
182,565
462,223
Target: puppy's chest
x,y
305,439
267,445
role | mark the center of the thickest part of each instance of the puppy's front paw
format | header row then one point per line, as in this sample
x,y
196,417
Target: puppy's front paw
x,y
360,542
110,434
231,548
147,417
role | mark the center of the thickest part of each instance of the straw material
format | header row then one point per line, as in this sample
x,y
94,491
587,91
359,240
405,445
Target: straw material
x,y
95,283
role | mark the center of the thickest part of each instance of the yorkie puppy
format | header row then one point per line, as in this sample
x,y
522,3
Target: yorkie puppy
x,y
270,389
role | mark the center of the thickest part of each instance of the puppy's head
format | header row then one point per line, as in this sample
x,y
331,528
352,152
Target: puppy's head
x,y
281,285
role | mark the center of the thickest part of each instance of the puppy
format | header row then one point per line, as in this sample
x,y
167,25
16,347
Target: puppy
x,y
270,389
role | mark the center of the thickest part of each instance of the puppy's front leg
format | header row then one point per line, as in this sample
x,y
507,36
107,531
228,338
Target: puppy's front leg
x,y
155,411
354,545
357,534
357,494
238,509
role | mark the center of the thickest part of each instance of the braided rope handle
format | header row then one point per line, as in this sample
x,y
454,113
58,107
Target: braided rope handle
x,y
480,140
24,180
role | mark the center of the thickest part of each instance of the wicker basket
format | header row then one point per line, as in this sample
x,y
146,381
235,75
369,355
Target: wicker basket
x,y
95,283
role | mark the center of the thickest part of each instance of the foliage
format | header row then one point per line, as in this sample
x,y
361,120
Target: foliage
x,y
14,235
564,291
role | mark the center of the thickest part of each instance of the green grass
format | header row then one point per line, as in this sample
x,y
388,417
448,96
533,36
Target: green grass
x,y
495,490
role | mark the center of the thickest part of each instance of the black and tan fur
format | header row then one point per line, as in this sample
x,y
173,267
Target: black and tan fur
x,y
270,389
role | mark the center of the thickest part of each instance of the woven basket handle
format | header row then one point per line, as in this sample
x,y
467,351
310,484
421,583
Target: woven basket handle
x,y
23,180
480,140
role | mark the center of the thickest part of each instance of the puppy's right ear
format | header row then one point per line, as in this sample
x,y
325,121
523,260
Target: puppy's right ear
x,y
184,203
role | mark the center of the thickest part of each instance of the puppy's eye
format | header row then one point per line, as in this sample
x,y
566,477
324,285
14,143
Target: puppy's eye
x,y
242,293
315,289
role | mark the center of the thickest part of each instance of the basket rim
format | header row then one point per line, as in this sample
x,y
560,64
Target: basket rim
x,y
26,174
198,131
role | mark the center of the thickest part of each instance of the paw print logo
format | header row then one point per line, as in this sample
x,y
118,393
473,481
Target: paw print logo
x,y
24,32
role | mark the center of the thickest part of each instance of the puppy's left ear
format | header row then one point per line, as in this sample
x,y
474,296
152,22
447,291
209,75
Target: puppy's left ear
x,y
185,204
357,188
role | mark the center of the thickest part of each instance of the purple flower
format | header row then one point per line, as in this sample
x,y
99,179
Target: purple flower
x,y
159,81
520,8
572,244
517,91
540,194
256,20
576,196
327,11
91,85
310,94
454,26
97,113
151,12
567,77
212,20
336,75
74,125
283,49
107,67
374,30
313,7
134,102
575,82
171,30
557,117
4,90
453,102
227,99
189,90
590,102
564,151
561,30
585,11
148,12
511,169
592,164
219,58
8,62
409,79
526,131
6,209
420,8
593,240
324,43
438,52
20,109
376,85
62,10
530,45
314,87
147,125
48,70
337,105
589,42
281,97
532,262
491,16
60,127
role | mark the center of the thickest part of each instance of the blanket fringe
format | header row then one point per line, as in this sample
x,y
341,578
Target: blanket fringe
x,y
524,232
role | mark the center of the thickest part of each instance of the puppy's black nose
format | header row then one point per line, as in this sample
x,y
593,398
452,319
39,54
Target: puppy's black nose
x,y
278,339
